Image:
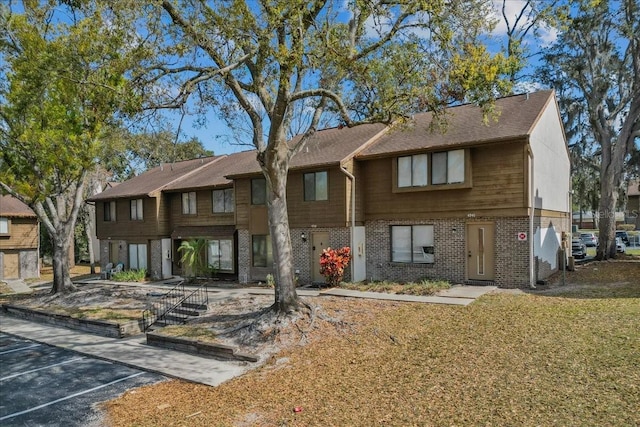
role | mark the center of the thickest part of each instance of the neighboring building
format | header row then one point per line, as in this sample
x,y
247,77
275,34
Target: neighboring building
x,y
585,220
19,240
633,204
132,219
482,203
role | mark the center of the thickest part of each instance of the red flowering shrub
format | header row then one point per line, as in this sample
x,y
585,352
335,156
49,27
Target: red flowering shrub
x,y
332,264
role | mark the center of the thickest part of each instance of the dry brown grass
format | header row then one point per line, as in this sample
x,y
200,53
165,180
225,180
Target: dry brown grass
x,y
527,359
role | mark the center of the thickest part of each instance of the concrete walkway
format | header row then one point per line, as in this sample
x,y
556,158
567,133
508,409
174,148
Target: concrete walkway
x,y
19,286
134,351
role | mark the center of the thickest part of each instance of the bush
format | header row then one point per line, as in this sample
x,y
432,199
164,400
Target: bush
x,y
626,227
332,264
130,276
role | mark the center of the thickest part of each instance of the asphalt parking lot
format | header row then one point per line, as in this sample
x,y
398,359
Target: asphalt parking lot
x,y
48,386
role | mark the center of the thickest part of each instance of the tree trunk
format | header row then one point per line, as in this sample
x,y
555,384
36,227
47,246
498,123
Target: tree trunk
x,y
61,270
609,182
276,162
88,216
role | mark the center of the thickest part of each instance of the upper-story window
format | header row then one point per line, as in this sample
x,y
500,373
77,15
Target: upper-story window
x,y
189,206
258,191
412,170
110,211
136,209
4,225
423,170
223,201
447,167
316,186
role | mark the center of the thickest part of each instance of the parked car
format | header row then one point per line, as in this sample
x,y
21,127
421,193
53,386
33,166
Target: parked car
x,y
624,236
620,246
578,248
589,239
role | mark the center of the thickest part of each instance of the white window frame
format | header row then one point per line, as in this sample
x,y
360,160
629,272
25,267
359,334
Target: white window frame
x,y
189,203
226,200
136,210
453,173
412,244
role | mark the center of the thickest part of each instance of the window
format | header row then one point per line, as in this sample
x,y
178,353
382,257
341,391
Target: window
x,y
258,191
136,209
315,186
223,200
137,256
412,244
412,170
220,254
447,167
189,203
4,225
262,252
110,211
422,170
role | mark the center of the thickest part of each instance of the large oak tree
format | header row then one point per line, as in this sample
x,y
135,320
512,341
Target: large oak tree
x,y
595,65
61,85
258,63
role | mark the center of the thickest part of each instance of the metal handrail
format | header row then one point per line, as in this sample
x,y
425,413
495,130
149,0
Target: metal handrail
x,y
170,302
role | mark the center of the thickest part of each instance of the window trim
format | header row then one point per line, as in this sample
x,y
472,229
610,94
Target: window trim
x,y
315,189
146,261
226,209
467,183
209,254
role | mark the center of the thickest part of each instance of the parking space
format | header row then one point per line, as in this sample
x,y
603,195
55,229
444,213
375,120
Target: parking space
x,y
42,385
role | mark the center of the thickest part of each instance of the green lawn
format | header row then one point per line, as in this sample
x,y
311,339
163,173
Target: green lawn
x,y
568,356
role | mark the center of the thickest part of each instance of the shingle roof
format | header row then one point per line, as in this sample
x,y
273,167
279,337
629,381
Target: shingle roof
x,y
518,115
216,175
154,179
327,146
12,207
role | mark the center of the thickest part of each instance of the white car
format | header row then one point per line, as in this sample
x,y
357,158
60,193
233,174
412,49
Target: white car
x,y
620,246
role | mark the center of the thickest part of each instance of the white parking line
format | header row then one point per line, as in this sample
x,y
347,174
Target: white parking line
x,y
39,369
44,405
20,349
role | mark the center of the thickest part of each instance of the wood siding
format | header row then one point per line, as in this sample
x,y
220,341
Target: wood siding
x,y
498,174
324,213
204,215
154,223
23,234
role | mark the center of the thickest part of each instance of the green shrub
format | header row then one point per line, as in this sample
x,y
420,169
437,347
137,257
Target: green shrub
x,y
626,227
130,276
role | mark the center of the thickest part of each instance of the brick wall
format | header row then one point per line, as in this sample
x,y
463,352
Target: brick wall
x,y
512,268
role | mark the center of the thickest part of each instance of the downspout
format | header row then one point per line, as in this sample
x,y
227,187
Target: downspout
x,y
352,178
532,204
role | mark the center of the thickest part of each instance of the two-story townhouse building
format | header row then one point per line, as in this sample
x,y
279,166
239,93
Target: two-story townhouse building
x,y
202,206
324,201
479,203
632,215
133,219
19,240
483,202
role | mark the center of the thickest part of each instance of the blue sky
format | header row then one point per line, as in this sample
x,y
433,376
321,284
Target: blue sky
x,y
215,135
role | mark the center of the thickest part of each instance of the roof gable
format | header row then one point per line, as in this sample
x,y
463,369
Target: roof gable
x,y
518,116
12,207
